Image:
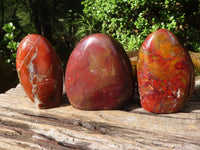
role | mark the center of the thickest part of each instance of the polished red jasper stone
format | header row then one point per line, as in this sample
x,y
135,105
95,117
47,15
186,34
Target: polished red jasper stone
x,y
98,74
39,70
165,73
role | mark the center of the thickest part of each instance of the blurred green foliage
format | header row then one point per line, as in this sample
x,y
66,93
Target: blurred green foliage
x,y
131,21
65,22
8,44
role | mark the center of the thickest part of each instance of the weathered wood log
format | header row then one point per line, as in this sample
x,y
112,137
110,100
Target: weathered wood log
x,y
22,126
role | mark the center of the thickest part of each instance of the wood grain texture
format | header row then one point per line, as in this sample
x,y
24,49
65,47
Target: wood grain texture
x,y
24,127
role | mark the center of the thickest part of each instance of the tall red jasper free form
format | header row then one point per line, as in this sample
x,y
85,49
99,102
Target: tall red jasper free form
x,y
39,70
165,73
98,74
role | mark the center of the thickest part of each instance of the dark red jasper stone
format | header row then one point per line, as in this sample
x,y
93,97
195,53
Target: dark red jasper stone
x,y
165,73
98,74
39,70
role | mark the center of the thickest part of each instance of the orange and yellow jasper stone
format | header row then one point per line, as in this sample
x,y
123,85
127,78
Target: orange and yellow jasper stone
x,y
165,73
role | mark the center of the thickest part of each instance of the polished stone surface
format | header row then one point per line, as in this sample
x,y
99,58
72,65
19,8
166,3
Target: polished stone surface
x,y
39,70
165,73
98,74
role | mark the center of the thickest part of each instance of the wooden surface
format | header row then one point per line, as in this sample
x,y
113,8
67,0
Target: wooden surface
x,y
22,126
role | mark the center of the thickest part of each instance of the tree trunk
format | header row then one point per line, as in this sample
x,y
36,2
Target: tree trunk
x,y
41,18
2,14
2,21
